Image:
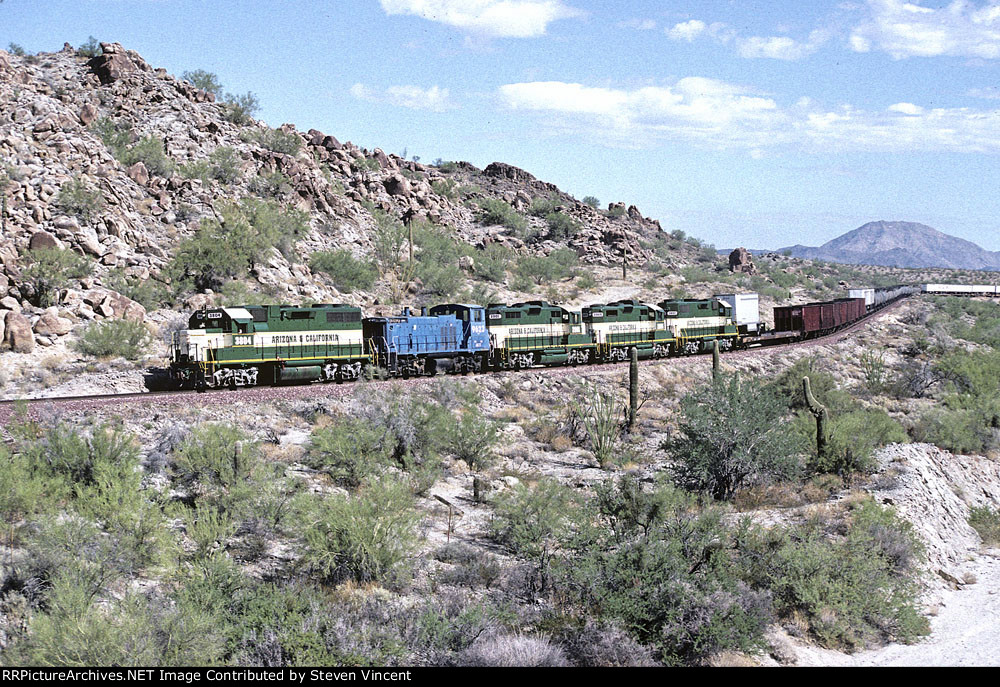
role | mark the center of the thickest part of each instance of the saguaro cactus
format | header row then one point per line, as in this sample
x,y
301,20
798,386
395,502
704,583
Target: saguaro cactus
x,y
821,414
715,358
625,262
633,385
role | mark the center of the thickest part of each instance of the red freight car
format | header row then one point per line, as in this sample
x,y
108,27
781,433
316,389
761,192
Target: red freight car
x,y
816,318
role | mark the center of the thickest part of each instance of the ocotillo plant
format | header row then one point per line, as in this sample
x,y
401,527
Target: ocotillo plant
x,y
821,414
633,385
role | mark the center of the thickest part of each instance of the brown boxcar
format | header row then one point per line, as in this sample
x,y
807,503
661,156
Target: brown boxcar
x,y
813,318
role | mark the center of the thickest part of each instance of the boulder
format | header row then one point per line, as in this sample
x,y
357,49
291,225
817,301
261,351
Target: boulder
x,y
3,329
88,113
113,64
43,240
139,174
505,171
397,185
18,333
51,325
10,303
740,260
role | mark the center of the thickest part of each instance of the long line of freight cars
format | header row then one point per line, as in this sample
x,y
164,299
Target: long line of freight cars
x,y
265,344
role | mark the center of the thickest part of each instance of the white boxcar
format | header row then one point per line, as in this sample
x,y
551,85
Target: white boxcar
x,y
746,309
867,294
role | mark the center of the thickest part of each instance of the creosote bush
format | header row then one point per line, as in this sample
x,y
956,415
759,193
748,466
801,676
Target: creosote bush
x,y
119,338
76,199
496,211
732,436
51,269
347,272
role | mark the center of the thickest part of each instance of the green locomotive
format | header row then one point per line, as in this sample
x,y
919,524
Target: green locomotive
x,y
267,344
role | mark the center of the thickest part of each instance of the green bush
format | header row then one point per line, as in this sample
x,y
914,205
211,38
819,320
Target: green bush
x,y
206,81
591,201
365,537
117,338
349,451
115,135
51,269
390,237
732,436
561,226
558,265
541,207
240,109
492,262
852,438
227,248
92,48
496,211
986,521
22,490
473,437
530,521
271,184
76,199
150,293
277,141
601,414
446,188
437,259
347,273
218,458
850,590
663,566
149,151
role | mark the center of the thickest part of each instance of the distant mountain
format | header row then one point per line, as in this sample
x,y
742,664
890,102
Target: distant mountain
x,y
901,244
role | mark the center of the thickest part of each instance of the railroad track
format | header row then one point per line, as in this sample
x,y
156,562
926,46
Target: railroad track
x,y
262,394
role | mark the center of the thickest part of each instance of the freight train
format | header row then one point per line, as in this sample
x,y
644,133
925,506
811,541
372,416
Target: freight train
x,y
273,344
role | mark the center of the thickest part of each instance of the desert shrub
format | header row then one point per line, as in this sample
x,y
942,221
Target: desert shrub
x,y
349,451
437,260
206,81
133,631
225,162
557,265
496,211
692,603
366,537
605,645
277,141
561,226
116,135
16,49
600,413
586,281
974,373
346,272
270,184
592,201
504,650
732,436
959,430
76,199
227,248
473,437
150,152
788,386
217,458
531,520
541,207
446,188
50,269
117,338
22,490
492,262
986,521
390,236
851,590
240,109
150,293
470,567
852,438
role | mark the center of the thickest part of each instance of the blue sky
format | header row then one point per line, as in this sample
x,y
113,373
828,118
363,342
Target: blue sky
x,y
754,123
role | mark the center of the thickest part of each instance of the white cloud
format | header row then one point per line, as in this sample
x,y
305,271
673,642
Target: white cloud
x,y
782,47
687,30
908,29
434,98
715,114
638,24
771,47
500,18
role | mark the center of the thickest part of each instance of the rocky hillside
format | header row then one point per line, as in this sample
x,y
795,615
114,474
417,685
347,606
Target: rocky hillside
x,y
118,162
901,244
